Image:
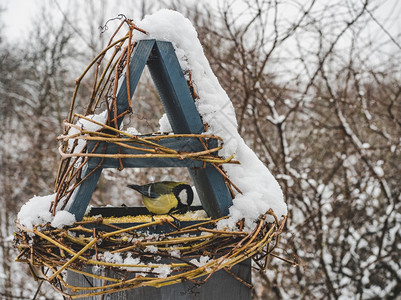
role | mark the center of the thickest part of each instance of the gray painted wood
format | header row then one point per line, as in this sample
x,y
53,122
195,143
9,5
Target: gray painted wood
x,y
173,89
219,287
137,64
80,199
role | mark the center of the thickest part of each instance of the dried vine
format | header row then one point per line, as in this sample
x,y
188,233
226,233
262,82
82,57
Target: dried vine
x,y
83,245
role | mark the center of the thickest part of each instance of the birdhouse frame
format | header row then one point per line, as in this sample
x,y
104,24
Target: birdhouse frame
x,y
184,118
83,248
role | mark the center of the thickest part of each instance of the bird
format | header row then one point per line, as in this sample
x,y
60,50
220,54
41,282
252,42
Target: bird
x,y
165,197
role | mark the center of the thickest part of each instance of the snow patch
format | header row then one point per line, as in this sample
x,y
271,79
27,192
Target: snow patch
x,y
37,212
203,260
85,125
151,249
163,271
164,124
133,131
63,218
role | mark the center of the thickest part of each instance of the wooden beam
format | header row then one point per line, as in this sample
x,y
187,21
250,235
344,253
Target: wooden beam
x,y
182,145
138,61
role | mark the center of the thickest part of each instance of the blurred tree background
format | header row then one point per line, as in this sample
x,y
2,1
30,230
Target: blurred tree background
x,y
317,90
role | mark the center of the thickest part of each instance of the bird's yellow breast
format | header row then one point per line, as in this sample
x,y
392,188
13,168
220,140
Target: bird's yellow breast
x,y
160,205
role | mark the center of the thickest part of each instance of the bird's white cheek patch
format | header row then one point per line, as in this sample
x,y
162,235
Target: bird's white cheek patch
x,y
183,195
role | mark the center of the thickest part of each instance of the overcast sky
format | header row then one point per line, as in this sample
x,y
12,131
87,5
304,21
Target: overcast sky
x,y
19,12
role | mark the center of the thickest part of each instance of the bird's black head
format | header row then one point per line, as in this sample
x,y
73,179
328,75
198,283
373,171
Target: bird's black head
x,y
184,194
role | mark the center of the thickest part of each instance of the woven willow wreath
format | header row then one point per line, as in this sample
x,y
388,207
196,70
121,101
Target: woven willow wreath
x,y
186,253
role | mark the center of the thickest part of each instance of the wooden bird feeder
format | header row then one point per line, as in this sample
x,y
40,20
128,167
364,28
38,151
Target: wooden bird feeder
x,y
88,249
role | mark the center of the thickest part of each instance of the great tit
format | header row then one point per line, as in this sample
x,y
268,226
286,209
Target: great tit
x,y
165,197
